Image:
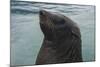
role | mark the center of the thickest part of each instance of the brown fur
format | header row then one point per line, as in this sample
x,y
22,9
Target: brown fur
x,y
62,39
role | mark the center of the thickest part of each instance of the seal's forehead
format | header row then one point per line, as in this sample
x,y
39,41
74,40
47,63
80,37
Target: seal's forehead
x,y
52,14
56,15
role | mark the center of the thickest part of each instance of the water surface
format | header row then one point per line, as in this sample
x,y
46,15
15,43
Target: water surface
x,y
26,35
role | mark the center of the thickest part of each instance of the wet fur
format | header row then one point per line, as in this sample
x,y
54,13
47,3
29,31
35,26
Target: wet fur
x,y
62,40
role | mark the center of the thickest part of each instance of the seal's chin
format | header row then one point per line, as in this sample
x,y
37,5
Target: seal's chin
x,y
45,19
43,15
42,12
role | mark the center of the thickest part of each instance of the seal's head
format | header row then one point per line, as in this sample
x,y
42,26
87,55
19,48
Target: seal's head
x,y
56,26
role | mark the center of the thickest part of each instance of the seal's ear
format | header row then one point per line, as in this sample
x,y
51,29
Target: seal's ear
x,y
76,32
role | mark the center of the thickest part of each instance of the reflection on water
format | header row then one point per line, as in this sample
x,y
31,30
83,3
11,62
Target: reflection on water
x,y
26,36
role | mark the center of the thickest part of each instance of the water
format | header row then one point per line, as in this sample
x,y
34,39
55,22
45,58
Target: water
x,y
26,35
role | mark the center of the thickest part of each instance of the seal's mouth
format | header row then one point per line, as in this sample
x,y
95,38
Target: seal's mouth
x,y
46,23
43,16
46,18
42,12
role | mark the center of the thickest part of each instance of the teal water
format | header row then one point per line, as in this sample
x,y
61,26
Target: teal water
x,y
26,35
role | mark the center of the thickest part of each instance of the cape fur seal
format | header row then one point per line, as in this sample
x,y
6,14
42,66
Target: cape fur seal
x,y
62,39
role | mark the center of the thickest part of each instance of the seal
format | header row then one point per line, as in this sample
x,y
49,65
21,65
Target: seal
x,y
62,39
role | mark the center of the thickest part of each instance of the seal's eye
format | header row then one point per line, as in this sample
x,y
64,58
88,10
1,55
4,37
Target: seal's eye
x,y
59,22
62,21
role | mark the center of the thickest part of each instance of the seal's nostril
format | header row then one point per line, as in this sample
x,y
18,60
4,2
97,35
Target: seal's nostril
x,y
41,12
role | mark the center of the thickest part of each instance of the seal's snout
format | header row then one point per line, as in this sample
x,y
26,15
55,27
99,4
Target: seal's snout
x,y
42,12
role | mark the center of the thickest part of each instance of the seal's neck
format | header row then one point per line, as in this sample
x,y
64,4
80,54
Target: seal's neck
x,y
54,43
